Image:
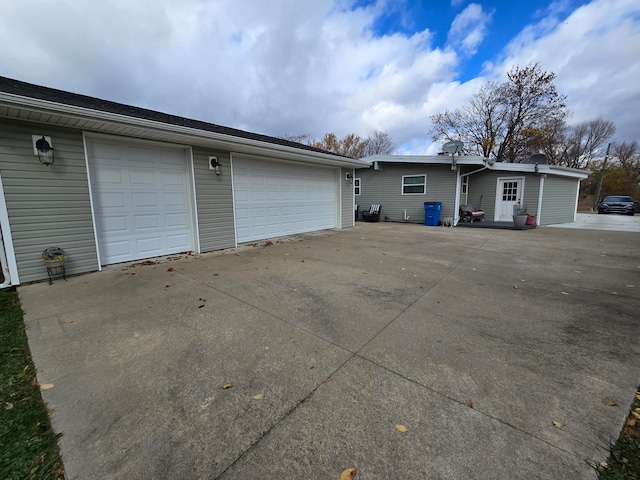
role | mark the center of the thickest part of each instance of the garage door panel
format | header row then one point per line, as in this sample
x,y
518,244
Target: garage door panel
x,y
141,201
274,199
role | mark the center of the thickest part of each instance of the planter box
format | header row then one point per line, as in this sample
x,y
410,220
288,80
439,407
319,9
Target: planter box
x,y
520,220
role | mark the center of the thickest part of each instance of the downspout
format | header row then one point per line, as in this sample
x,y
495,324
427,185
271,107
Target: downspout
x,y
540,194
456,202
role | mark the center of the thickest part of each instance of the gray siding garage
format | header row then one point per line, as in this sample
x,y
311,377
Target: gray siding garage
x,y
129,183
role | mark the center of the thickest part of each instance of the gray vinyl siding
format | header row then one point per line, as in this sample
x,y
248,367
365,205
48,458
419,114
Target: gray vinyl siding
x,y
559,200
214,201
385,187
47,206
346,199
483,187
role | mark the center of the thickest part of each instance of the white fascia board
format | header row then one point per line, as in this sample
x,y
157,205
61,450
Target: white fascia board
x,y
190,135
426,159
531,168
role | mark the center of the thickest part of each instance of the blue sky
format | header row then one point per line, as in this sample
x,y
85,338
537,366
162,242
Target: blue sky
x,y
316,66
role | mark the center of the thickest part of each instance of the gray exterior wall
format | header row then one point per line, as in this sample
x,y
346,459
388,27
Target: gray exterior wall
x,y
346,199
559,200
385,187
482,191
47,206
214,200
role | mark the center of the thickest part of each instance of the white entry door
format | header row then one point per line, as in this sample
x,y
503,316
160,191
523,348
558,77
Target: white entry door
x,y
141,200
273,199
508,195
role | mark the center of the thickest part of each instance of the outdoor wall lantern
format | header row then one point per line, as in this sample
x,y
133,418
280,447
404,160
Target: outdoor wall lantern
x,y
215,165
349,177
44,150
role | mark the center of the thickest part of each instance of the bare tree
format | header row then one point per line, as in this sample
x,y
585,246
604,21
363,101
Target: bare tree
x,y
584,142
379,143
352,145
628,156
505,120
297,138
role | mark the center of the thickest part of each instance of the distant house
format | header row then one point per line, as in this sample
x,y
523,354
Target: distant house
x,y
129,183
403,183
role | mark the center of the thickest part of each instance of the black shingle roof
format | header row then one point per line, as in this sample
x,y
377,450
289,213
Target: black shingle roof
x,y
16,87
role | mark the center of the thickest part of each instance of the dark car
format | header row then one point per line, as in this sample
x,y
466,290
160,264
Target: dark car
x,y
617,204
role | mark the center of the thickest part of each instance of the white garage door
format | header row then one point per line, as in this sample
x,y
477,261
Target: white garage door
x,y
273,199
141,200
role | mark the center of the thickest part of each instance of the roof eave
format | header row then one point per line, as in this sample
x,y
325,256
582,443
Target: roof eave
x,y
177,133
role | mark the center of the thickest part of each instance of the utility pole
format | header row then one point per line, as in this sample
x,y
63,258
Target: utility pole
x,y
604,166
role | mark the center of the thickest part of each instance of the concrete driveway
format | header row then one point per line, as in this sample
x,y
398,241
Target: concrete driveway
x,y
612,222
475,340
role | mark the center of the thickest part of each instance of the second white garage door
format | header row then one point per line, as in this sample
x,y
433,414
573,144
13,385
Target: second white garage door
x,y
141,200
273,199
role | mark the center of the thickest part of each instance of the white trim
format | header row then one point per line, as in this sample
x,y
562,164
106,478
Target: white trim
x,y
498,201
540,195
575,210
233,202
9,264
91,202
187,156
402,185
456,202
180,133
194,201
338,210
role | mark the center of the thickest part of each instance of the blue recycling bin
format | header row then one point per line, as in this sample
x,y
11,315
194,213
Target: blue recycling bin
x,y
432,213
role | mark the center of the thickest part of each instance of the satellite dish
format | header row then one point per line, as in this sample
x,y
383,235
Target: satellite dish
x,y
538,158
453,147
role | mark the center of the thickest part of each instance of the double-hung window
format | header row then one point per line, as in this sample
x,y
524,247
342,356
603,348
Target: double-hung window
x,y
356,186
414,184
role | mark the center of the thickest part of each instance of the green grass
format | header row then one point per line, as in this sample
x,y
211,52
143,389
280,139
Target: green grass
x,y
624,459
28,445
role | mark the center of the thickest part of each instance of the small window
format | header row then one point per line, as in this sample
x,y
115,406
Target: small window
x,y
356,186
414,184
465,184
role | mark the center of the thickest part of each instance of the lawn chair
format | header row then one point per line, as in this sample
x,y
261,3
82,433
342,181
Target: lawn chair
x,y
373,215
469,213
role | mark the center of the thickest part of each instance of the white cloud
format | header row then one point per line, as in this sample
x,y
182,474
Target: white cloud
x,y
594,53
469,29
287,67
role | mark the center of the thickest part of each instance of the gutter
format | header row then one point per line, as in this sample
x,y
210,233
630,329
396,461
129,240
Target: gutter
x,y
230,142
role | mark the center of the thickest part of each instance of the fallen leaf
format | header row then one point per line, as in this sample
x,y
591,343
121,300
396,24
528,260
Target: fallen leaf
x,y
515,286
349,474
327,380
69,321
470,403
216,274
401,428
200,306
564,293
24,370
227,385
46,386
312,367
557,425
167,286
266,348
609,402
134,274
170,269
638,396
8,406
636,414
604,465
631,422
259,396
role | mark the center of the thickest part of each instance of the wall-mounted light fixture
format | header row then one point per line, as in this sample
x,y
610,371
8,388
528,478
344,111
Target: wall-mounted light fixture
x,y
43,149
349,177
215,165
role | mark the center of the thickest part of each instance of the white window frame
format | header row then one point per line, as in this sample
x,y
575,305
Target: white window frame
x,y
357,184
424,185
